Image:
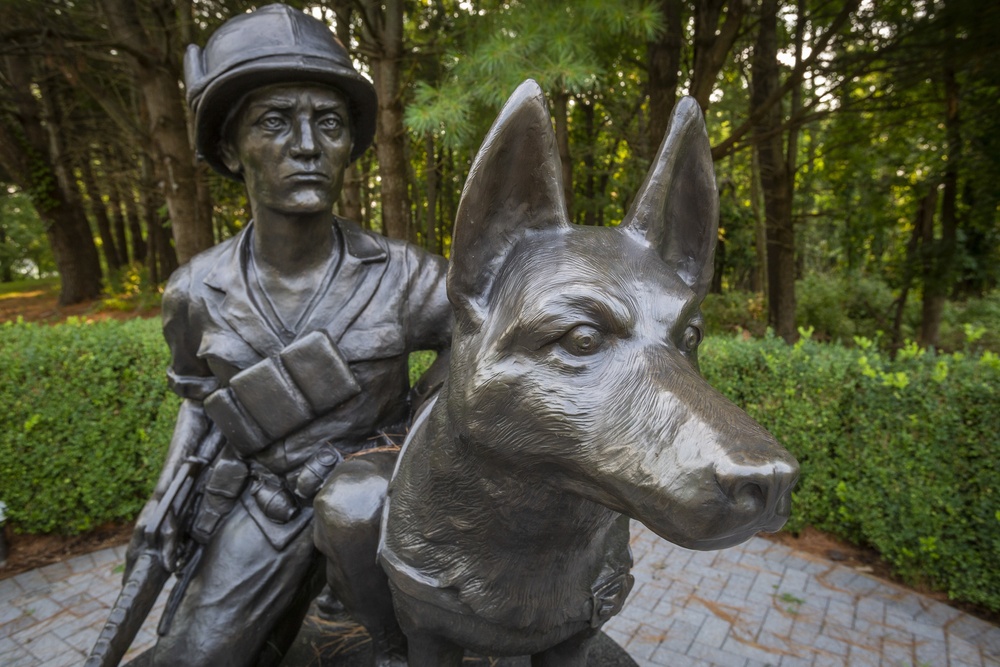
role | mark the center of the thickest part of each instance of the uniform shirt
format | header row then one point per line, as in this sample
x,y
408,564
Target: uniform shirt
x,y
384,299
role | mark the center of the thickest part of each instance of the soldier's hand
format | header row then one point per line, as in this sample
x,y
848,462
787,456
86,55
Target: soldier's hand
x,y
138,543
316,470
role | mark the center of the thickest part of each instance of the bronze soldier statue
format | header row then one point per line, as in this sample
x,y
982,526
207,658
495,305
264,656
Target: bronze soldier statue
x,y
289,344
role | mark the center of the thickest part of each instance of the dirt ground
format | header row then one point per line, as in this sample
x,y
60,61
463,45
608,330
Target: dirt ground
x,y
27,552
41,305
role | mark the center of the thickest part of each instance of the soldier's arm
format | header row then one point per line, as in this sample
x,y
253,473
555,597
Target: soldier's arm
x,y
428,316
190,378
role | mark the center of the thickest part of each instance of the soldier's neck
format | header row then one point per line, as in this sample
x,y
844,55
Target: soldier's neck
x,y
292,244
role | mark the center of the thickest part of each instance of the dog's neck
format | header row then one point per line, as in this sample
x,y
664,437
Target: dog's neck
x,y
470,525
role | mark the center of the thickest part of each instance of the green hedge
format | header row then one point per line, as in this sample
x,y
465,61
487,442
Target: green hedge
x,y
899,455
85,421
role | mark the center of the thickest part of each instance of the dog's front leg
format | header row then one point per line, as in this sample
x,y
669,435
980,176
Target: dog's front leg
x,y
429,650
571,653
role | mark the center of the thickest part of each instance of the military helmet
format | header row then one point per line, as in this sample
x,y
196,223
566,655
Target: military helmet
x,y
274,44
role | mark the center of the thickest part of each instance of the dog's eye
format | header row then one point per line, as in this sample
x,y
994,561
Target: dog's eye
x,y
692,338
582,340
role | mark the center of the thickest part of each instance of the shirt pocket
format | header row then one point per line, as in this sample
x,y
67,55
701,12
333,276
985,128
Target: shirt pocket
x,y
372,343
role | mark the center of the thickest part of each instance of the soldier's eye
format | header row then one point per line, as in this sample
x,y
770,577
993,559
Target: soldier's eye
x,y
582,340
271,121
330,123
692,338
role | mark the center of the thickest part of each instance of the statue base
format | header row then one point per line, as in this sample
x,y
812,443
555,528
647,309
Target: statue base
x,y
343,643
340,642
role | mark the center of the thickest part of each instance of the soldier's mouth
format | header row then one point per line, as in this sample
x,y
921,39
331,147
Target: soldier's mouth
x,y
308,177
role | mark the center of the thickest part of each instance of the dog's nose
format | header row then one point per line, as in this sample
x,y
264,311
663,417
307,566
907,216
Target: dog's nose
x,y
761,490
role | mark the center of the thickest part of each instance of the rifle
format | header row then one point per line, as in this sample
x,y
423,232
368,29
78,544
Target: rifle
x,y
168,549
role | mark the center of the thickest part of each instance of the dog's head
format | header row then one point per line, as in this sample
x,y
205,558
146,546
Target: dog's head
x,y
575,355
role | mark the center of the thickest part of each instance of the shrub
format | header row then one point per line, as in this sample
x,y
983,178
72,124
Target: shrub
x,y
85,421
899,455
735,311
843,306
972,324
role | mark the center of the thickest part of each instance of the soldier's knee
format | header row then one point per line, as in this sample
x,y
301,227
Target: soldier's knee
x,y
353,496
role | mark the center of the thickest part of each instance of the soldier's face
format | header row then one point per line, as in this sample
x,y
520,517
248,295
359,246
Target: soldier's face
x,y
291,143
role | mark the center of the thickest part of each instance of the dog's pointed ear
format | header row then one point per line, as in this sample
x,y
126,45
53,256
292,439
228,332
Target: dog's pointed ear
x,y
515,185
677,209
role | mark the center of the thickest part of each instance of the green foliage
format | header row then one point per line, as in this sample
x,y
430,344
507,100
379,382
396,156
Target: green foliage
x,y
85,422
16,289
24,251
842,306
419,363
129,290
973,324
735,311
900,455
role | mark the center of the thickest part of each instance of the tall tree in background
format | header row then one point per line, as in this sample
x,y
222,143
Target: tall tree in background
x,y
33,153
775,136
854,113
777,180
153,52
380,40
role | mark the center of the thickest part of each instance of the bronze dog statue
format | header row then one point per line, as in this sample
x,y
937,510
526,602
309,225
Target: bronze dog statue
x,y
573,403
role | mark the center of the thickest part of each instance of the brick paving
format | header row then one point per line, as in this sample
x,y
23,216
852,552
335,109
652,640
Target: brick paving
x,y
754,605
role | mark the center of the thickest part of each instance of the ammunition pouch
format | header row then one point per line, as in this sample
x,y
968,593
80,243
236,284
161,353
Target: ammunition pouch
x,y
281,394
225,483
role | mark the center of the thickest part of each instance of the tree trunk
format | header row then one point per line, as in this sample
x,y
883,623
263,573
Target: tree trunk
x,y
350,196
100,212
160,258
758,278
118,220
6,269
75,254
134,226
939,258
664,62
365,171
448,203
923,227
776,181
173,155
385,23
712,44
32,153
175,167
589,165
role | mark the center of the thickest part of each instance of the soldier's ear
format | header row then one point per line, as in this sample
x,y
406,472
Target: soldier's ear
x,y
514,186
230,158
677,209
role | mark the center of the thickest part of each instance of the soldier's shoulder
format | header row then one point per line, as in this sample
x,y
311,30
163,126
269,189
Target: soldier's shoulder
x,y
189,277
371,247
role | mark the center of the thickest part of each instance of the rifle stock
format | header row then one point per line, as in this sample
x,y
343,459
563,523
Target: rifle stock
x,y
139,593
